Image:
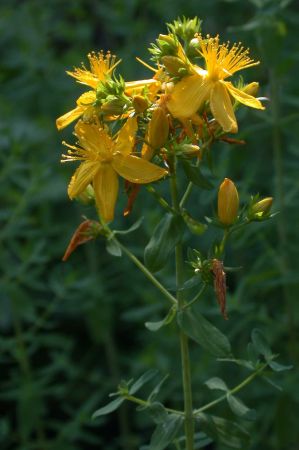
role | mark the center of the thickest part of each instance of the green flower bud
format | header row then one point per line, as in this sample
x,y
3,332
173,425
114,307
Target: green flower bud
x,y
113,107
173,64
260,209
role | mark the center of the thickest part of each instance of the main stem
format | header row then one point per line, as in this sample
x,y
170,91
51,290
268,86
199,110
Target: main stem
x,y
186,372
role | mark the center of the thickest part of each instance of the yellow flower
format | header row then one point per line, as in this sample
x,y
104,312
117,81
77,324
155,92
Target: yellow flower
x,y
101,68
103,159
192,91
84,106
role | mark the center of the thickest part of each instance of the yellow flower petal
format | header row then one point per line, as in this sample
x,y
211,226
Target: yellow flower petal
x,y
105,185
244,98
87,99
82,177
94,139
126,137
84,76
133,87
69,117
188,96
137,170
221,107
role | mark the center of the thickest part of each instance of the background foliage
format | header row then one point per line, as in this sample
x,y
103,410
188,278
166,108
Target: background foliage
x,y
70,332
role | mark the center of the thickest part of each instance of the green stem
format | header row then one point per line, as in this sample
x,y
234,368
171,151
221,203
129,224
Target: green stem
x,y
190,184
147,273
160,199
223,242
186,194
186,371
232,391
146,404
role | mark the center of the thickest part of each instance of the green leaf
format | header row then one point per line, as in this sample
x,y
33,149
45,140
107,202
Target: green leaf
x,y
192,282
142,380
253,355
279,367
165,432
204,333
239,362
156,389
216,383
227,432
155,326
166,236
260,343
157,412
194,175
194,226
109,408
239,408
113,248
276,386
132,228
201,440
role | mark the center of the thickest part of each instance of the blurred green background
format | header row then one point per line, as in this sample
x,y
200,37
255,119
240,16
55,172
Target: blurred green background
x,y
70,331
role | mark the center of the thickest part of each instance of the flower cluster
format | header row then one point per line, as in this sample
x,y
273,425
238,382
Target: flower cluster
x,y
132,129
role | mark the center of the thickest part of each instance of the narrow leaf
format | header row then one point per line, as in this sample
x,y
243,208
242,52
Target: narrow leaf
x,y
252,353
142,380
192,282
109,408
239,362
260,343
157,412
240,409
229,433
194,174
133,227
276,386
216,383
165,432
113,248
156,389
194,226
165,237
279,367
155,326
204,333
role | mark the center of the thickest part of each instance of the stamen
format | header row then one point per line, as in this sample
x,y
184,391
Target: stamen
x,y
146,65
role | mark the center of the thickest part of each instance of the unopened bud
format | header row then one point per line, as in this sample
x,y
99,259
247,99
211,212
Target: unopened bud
x,y
228,202
173,64
140,103
113,107
191,150
262,207
168,44
251,88
87,196
158,128
167,38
